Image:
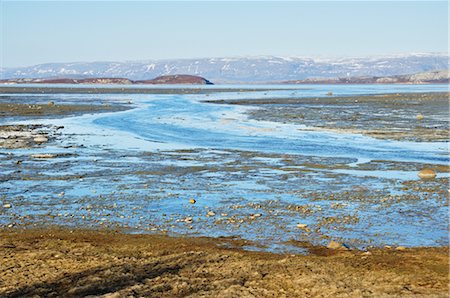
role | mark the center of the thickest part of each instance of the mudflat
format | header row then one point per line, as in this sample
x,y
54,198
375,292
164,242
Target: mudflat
x,y
400,116
75,263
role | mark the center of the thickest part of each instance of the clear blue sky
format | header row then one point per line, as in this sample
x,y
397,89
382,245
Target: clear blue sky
x,y
62,31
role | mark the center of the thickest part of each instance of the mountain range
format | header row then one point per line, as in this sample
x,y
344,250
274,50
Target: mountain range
x,y
241,69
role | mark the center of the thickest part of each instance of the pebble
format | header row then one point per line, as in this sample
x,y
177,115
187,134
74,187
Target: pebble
x,y
210,213
427,174
336,245
40,139
50,103
420,117
188,220
7,206
192,201
400,248
302,226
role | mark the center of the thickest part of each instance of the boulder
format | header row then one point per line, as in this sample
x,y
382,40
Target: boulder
x,y
427,174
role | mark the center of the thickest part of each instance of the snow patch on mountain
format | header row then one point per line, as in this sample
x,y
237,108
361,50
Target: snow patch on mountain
x,y
242,69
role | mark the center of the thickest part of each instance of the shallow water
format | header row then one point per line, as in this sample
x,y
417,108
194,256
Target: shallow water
x,y
137,170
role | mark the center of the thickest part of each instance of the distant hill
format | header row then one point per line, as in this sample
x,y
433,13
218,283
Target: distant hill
x,y
240,69
430,77
170,79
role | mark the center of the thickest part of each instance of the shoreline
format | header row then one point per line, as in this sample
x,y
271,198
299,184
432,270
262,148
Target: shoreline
x,y
127,90
64,262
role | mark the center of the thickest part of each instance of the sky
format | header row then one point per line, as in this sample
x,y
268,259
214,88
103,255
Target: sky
x,y
35,32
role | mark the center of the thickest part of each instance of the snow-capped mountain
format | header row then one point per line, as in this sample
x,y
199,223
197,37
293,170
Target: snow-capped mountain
x,y
240,69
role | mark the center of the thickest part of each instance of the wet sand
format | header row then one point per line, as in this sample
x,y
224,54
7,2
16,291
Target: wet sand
x,y
77,263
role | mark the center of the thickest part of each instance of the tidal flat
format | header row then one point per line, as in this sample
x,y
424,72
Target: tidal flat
x,y
271,171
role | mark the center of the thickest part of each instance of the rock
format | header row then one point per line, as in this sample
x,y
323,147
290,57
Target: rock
x,y
401,248
302,226
427,174
40,139
336,245
192,201
188,220
419,117
329,93
366,253
50,103
7,206
44,155
210,213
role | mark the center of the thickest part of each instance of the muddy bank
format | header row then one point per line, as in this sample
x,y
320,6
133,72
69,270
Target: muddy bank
x,y
52,109
17,136
56,263
419,117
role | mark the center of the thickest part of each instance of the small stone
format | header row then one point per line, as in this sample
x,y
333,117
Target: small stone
x,y
210,213
256,215
188,220
7,206
419,117
427,174
40,139
329,93
302,226
400,248
336,245
50,103
366,253
192,201
61,194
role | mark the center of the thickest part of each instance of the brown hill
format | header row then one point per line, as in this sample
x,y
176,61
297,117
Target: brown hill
x,y
177,79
